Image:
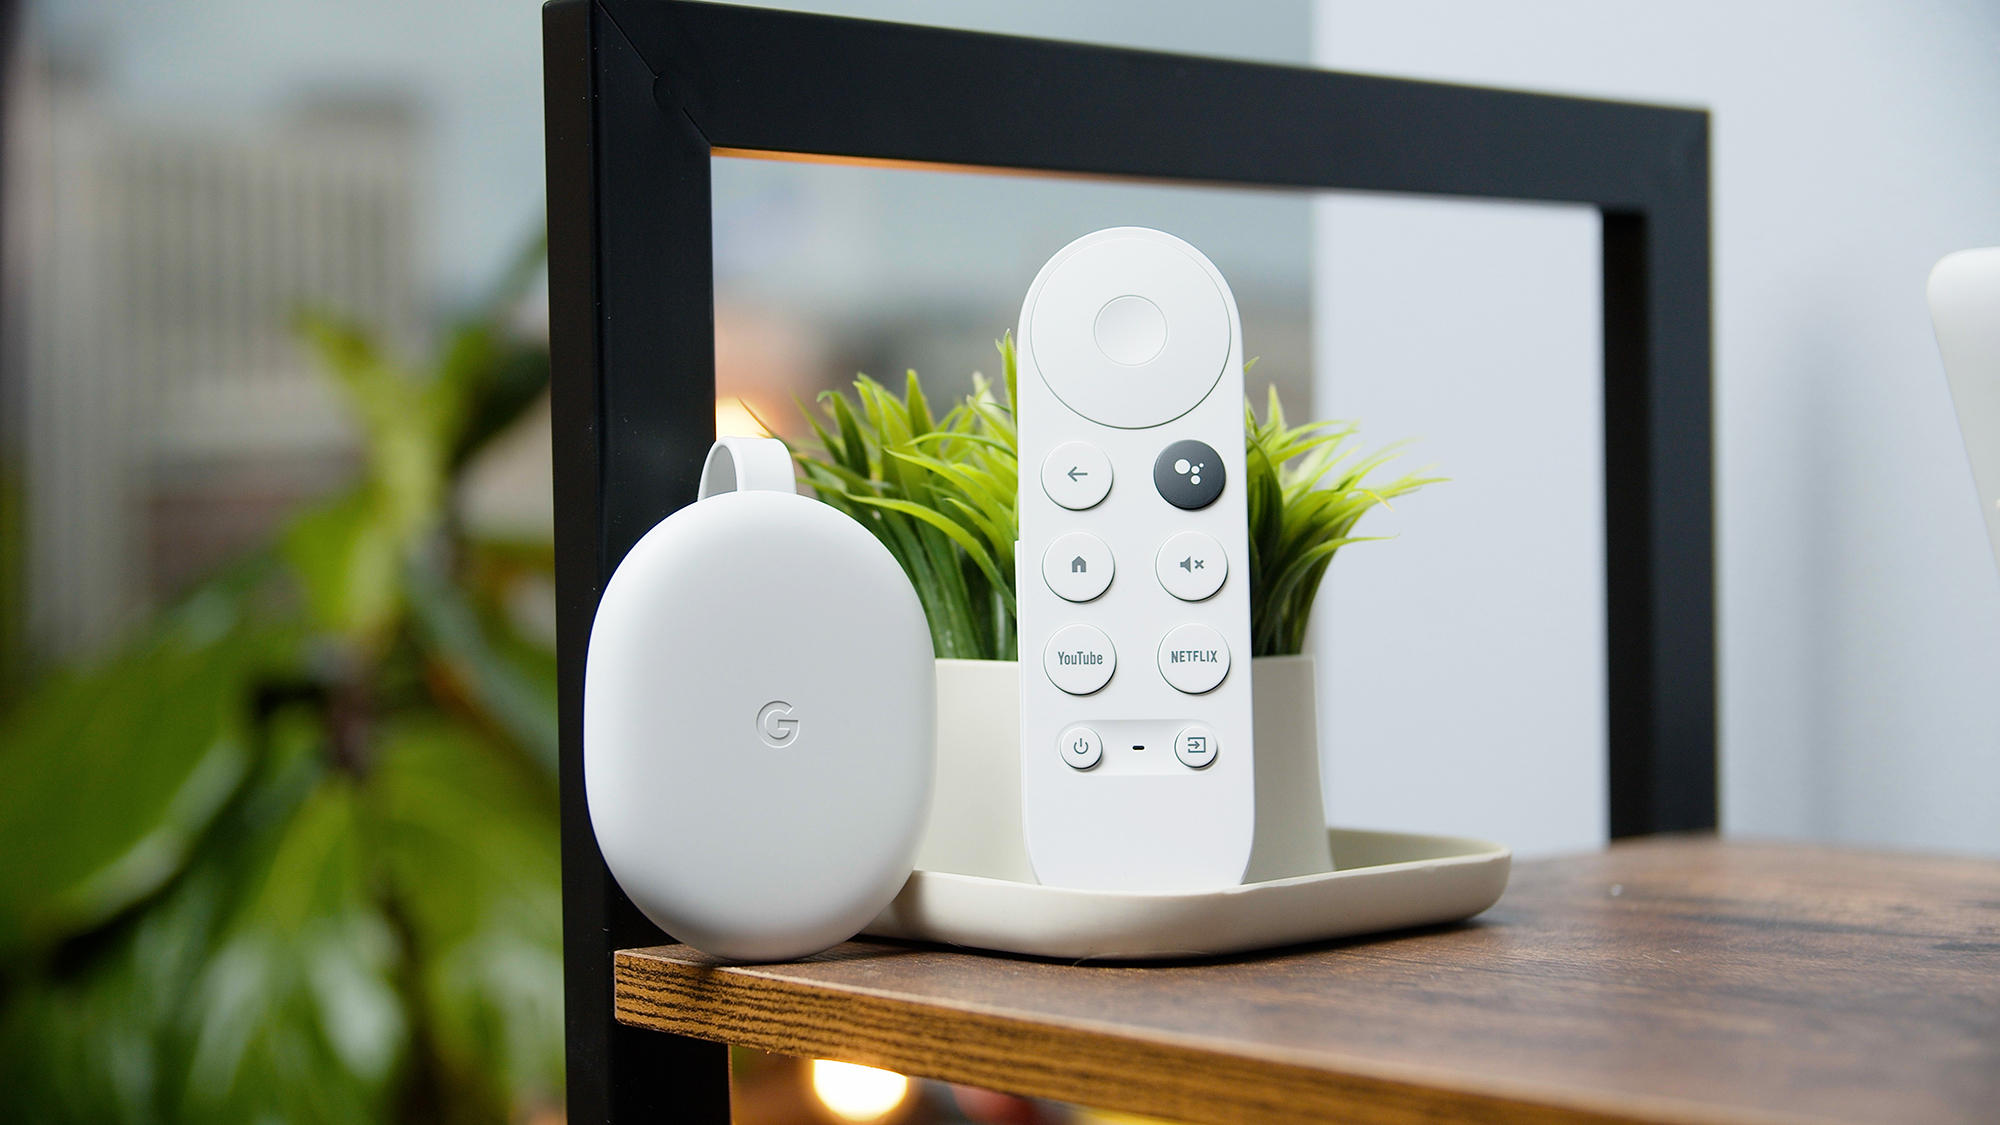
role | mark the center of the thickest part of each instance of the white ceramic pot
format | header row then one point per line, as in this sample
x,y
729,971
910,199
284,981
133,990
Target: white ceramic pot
x,y
975,825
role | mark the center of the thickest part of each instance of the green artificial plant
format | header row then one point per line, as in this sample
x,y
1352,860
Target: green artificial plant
x,y
290,855
1307,489
939,493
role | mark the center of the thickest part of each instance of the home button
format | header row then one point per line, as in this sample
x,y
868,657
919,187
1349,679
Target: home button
x,y
1077,566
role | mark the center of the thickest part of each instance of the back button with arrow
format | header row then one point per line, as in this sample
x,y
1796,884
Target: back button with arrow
x,y
1076,475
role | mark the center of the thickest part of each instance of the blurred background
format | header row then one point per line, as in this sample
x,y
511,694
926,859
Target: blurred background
x,y
272,317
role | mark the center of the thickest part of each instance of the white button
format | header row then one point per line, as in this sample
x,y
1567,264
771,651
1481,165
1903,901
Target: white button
x,y
1193,658
1077,566
1191,566
1130,330
1079,659
1080,747
1196,746
1076,474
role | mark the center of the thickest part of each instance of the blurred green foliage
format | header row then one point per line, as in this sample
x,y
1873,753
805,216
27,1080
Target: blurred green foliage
x,y
291,854
13,574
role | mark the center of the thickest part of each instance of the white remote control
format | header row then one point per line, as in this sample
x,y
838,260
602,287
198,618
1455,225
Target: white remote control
x,y
1133,570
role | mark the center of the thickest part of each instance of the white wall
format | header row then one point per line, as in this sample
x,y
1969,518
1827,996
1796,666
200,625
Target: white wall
x,y
1462,663
1853,145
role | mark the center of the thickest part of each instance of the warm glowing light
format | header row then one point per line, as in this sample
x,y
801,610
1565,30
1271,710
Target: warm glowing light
x,y
733,419
858,1093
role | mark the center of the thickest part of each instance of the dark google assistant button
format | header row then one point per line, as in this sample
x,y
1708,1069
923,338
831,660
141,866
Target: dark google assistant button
x,y
1189,475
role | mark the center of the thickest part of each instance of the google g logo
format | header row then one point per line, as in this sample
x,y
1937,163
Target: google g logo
x,y
776,726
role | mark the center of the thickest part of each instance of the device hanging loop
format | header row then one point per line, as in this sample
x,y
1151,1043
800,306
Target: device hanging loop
x,y
746,464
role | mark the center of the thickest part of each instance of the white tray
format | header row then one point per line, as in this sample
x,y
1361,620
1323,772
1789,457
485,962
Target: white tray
x,y
1385,881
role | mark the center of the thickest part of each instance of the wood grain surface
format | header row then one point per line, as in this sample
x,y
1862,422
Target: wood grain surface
x,y
1675,980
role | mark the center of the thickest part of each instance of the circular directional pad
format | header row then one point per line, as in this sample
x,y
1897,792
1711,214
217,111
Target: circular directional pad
x,y
1130,330
1189,474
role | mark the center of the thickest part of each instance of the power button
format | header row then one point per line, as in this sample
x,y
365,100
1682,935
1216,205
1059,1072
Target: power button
x,y
1080,747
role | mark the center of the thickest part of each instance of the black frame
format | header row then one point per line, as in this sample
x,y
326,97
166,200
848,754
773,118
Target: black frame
x,y
641,93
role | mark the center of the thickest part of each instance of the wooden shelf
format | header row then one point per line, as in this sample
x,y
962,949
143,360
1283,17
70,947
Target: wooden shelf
x,y
1675,980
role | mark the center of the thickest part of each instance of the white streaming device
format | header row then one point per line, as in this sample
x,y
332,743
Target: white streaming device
x,y
1133,570
1964,295
759,717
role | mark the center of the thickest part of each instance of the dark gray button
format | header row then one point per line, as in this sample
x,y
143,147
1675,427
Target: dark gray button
x,y
1188,474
